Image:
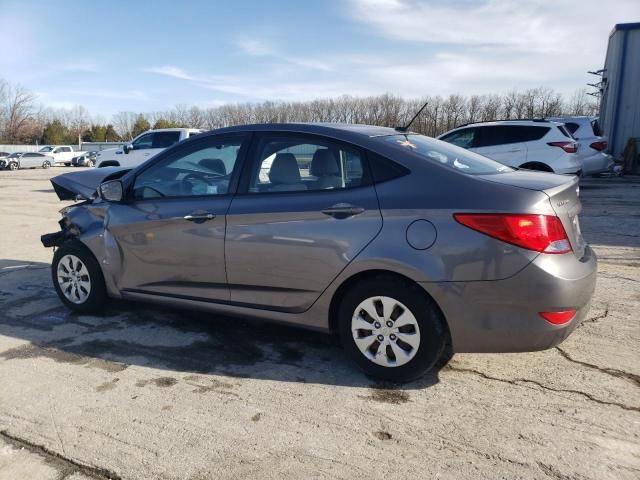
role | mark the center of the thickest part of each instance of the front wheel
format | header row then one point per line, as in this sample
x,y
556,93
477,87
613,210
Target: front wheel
x,y
391,328
13,166
78,279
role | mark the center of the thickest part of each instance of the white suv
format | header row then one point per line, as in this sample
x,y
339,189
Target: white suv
x,y
532,144
591,144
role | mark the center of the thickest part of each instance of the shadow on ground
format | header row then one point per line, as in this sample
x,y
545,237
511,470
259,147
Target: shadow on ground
x,y
129,333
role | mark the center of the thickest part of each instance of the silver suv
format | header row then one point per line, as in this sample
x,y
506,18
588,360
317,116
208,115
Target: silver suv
x,y
532,144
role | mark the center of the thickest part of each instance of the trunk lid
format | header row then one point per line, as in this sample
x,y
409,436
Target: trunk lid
x,y
83,185
562,191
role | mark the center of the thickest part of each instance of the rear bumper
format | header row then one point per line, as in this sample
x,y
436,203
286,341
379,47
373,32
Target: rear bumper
x,y
502,315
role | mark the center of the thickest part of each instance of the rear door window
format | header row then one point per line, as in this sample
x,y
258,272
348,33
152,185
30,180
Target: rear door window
x,y
293,163
504,134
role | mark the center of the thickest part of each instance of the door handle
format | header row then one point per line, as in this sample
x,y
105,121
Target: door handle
x,y
342,210
199,218
514,151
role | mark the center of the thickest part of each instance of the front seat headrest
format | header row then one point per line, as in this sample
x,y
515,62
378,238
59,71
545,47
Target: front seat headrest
x,y
284,169
324,163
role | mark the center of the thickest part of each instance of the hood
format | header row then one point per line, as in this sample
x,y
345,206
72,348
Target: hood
x,y
83,185
531,180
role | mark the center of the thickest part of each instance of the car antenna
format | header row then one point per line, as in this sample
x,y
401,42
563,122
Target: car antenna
x,y
406,127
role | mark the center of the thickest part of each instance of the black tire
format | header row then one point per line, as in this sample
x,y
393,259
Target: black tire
x,y
13,166
46,164
432,327
97,297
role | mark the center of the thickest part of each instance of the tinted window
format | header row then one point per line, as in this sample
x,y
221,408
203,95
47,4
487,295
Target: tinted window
x,y
505,134
595,124
462,138
572,127
204,168
32,155
384,169
165,139
441,153
299,163
565,131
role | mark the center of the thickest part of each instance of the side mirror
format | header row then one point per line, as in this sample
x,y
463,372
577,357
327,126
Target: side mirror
x,y
127,148
111,191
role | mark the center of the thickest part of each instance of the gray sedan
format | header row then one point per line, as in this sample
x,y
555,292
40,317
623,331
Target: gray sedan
x,y
410,248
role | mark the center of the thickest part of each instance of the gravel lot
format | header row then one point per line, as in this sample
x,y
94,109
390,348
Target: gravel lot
x,y
143,393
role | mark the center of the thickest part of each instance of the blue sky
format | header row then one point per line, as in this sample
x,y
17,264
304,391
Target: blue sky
x,y
149,56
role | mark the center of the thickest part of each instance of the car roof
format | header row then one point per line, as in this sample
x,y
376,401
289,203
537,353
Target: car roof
x,y
318,128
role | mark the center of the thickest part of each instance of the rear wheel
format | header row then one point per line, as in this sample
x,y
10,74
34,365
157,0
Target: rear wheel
x,y
78,279
46,164
92,163
540,167
391,328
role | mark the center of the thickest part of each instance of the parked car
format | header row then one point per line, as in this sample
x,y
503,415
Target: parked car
x,y
86,159
405,245
530,144
61,154
592,145
4,154
144,147
26,160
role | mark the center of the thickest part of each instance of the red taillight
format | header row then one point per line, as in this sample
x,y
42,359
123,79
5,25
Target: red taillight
x,y
558,318
600,146
569,147
542,233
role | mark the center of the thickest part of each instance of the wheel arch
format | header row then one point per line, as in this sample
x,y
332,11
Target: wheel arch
x,y
366,274
109,163
538,166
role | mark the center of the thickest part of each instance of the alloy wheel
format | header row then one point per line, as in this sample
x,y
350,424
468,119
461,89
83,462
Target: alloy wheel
x,y
385,331
73,279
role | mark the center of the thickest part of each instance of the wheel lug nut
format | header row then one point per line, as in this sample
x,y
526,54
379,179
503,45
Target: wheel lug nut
x,y
389,324
392,336
380,338
377,325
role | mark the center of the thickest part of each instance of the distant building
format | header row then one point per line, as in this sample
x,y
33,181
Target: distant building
x,y
620,104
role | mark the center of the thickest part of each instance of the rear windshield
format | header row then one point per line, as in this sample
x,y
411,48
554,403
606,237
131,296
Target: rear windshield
x,y
595,125
445,154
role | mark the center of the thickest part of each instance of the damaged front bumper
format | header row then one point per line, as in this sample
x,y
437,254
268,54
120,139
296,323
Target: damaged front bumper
x,y
53,239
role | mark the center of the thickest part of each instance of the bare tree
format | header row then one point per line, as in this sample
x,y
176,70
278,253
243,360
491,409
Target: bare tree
x,y
18,107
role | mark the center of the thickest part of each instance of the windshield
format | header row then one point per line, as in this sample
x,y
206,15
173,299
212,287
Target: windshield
x,y
453,157
46,149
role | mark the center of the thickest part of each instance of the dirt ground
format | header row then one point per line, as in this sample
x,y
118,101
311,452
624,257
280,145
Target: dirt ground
x,y
142,392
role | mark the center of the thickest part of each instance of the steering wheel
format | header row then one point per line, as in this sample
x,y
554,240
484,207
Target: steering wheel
x,y
191,179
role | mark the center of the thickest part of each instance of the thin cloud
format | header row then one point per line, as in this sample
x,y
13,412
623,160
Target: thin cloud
x,y
260,47
255,46
170,71
531,26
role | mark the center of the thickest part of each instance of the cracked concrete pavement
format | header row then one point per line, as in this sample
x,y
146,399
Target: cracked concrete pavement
x,y
143,392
